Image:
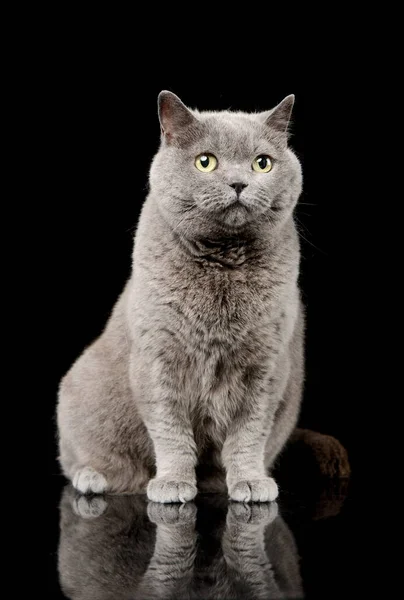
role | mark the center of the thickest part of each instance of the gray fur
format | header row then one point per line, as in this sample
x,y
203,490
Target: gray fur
x,y
200,366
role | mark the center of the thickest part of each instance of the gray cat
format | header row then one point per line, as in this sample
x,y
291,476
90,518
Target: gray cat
x,y
198,373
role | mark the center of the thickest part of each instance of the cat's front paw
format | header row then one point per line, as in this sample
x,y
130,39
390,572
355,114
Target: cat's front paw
x,y
166,490
254,490
88,481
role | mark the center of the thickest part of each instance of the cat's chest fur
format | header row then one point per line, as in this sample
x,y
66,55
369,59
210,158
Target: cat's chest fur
x,y
222,303
212,310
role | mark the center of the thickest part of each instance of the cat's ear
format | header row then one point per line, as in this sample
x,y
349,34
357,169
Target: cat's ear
x,y
278,118
176,120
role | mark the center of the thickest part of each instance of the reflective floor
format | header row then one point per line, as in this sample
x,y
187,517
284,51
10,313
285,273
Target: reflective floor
x,y
125,547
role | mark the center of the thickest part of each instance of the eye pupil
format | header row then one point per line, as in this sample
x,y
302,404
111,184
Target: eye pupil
x,y
262,164
206,162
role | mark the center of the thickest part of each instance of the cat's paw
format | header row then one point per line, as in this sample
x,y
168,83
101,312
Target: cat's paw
x,y
89,507
171,514
89,481
165,490
253,514
254,490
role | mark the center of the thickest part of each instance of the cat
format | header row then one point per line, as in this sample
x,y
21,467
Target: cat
x,y
196,381
121,547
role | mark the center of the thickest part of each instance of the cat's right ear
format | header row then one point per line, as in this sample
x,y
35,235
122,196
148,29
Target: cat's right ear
x,y
176,120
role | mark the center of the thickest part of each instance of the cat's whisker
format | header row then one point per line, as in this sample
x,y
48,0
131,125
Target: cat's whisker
x,y
304,238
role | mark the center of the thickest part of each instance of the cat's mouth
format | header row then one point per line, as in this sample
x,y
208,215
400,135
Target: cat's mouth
x,y
235,214
236,204
233,210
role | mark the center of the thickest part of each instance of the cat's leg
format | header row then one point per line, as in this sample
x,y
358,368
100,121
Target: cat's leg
x,y
175,452
243,457
103,443
165,411
85,478
243,451
98,454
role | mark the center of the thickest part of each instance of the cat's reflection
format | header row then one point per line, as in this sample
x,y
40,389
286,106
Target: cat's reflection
x,y
123,548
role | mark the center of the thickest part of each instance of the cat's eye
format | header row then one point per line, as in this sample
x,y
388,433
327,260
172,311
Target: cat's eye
x,y
262,164
206,163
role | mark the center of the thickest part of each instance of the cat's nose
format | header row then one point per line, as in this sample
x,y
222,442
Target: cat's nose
x,y
238,187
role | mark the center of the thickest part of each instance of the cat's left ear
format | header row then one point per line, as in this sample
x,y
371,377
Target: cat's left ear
x,y
278,118
177,122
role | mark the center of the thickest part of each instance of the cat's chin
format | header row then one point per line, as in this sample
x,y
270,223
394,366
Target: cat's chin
x,y
235,216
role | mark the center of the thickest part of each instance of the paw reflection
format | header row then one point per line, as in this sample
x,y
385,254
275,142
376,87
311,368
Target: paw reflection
x,y
89,507
255,514
171,514
126,547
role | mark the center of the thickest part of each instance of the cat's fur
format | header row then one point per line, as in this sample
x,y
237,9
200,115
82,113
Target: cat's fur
x,y
200,367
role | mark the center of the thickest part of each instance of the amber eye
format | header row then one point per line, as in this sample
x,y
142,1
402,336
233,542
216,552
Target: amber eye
x,y
206,163
262,164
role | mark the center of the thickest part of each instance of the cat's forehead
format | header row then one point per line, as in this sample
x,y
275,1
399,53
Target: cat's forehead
x,y
232,133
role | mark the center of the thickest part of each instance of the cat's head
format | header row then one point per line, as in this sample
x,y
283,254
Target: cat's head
x,y
218,173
